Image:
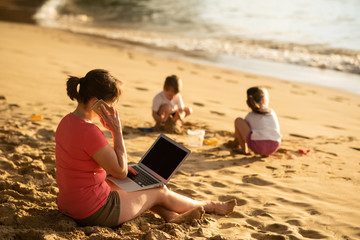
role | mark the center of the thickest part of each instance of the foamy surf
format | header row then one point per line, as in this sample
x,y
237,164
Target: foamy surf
x,y
193,36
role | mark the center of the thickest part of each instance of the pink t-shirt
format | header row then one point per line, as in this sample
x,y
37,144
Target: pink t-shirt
x,y
81,180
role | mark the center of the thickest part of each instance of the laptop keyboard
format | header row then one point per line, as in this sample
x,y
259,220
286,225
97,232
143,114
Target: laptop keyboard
x,y
141,178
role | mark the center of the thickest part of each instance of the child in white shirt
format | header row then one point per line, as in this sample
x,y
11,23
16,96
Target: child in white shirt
x,y
169,102
260,130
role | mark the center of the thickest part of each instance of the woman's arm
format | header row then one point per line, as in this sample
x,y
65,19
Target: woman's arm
x,y
113,160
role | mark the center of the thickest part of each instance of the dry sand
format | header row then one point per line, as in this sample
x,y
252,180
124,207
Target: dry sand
x,y
289,195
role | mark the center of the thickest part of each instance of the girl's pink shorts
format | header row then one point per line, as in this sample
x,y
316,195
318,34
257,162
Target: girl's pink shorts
x,y
262,147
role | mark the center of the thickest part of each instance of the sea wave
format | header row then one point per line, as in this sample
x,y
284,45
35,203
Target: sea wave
x,y
58,14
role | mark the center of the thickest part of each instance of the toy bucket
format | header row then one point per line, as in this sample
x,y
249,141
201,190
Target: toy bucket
x,y
196,137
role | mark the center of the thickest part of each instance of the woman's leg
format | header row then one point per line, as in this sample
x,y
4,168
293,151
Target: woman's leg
x,y
166,203
132,204
171,216
242,130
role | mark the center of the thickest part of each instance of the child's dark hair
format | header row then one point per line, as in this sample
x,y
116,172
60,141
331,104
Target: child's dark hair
x,y
172,82
96,83
255,96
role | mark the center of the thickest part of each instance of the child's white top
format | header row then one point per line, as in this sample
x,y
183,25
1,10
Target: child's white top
x,y
175,103
264,126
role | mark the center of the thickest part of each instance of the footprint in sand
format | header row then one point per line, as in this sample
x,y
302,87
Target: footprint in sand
x,y
250,76
334,127
180,68
66,72
45,134
271,168
277,228
298,93
290,117
141,89
256,181
12,106
218,184
338,99
130,55
355,148
198,184
229,225
254,223
126,105
214,101
311,234
151,63
6,164
299,136
217,113
262,236
313,212
231,81
297,204
260,212
294,222
198,104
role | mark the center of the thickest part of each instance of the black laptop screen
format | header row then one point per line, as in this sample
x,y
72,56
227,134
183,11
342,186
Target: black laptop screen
x,y
164,158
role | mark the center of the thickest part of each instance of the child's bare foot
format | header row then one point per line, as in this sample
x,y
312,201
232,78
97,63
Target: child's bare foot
x,y
240,151
220,208
189,216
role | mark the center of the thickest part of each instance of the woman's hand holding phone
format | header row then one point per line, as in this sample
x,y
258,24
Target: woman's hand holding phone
x,y
109,117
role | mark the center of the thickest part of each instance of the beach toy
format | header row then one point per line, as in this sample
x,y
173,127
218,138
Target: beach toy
x,y
196,137
144,129
304,152
36,117
210,142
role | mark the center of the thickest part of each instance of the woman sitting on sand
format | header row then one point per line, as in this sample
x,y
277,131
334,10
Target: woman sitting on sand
x,y
84,158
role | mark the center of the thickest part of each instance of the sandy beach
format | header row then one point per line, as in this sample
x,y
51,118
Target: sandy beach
x,y
289,195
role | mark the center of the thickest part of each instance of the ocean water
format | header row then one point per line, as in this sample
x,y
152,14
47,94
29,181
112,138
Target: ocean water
x,y
320,37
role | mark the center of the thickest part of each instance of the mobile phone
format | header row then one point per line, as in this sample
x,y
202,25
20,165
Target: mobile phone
x,y
97,105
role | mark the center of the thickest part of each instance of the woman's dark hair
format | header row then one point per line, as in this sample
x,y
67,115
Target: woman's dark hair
x,y
255,96
96,83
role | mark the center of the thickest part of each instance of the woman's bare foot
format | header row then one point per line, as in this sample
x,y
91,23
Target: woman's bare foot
x,y
220,208
189,216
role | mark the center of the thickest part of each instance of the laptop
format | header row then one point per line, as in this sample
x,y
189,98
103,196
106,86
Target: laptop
x,y
156,167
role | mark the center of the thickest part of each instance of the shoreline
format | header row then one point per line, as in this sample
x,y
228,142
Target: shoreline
x,y
23,11
289,72
289,195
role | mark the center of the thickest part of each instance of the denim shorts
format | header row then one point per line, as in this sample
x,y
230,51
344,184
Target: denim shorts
x,y
106,216
262,147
